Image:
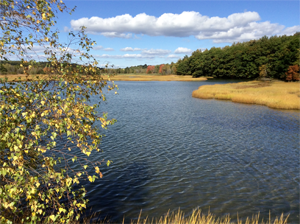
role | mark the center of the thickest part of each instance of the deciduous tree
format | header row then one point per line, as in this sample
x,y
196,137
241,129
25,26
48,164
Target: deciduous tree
x,y
293,73
36,181
150,69
160,71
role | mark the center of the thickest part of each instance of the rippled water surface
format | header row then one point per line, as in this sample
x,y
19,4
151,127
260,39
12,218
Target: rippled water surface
x,y
172,151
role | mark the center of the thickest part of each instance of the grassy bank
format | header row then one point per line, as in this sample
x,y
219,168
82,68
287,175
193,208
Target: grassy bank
x,y
199,218
275,94
146,77
121,77
15,77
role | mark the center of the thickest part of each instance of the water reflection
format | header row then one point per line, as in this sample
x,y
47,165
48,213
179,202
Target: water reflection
x,y
170,150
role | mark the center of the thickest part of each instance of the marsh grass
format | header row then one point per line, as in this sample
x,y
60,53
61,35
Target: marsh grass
x,y
275,94
119,77
15,77
153,77
198,218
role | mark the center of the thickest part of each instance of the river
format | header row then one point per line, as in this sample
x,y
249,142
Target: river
x,y
172,151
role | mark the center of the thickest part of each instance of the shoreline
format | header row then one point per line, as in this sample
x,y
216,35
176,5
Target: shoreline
x,y
146,77
273,94
127,77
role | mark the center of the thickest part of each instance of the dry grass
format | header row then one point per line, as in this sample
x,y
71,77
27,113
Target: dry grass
x,y
199,218
127,77
275,94
146,77
11,78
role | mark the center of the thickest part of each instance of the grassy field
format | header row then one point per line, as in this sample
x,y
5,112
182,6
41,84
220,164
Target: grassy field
x,y
274,94
122,77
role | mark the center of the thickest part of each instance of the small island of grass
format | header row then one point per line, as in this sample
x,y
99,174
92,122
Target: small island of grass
x,y
274,94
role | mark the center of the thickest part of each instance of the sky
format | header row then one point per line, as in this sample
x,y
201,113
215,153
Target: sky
x,y
130,33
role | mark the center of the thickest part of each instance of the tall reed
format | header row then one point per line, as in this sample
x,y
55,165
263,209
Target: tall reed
x,y
198,218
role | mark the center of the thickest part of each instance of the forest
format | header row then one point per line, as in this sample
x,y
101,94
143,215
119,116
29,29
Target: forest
x,y
268,57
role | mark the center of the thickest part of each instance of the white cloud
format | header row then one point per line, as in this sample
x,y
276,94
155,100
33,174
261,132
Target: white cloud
x,y
104,49
156,52
236,27
108,49
183,50
252,31
173,56
38,52
67,29
291,30
130,49
128,56
145,53
98,48
116,34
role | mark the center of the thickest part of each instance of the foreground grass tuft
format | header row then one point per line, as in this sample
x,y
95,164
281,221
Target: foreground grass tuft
x,y
199,218
275,94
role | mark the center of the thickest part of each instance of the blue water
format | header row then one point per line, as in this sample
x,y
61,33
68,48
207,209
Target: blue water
x,y
172,151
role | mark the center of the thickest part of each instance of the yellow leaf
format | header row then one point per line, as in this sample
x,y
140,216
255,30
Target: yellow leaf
x,y
52,217
61,210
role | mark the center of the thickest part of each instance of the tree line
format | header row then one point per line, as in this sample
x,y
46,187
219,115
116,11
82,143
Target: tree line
x,y
161,69
273,57
14,68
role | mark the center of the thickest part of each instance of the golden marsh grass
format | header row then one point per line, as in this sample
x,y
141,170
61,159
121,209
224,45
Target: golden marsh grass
x,y
199,218
146,77
122,77
11,78
275,94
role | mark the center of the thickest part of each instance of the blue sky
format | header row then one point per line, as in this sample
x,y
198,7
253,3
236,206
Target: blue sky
x,y
131,33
